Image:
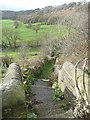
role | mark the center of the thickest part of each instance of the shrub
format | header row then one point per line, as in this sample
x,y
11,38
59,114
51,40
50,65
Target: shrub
x,y
52,46
36,28
32,115
58,93
23,54
6,61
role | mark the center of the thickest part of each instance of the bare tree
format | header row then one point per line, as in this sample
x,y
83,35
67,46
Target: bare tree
x,y
36,28
10,37
52,45
16,24
29,24
77,19
23,54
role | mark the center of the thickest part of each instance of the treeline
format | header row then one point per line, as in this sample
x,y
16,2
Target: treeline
x,y
48,15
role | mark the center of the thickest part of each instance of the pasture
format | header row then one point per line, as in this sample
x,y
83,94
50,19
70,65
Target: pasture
x,y
29,37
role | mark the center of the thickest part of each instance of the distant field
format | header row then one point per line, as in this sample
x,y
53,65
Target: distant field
x,y
29,36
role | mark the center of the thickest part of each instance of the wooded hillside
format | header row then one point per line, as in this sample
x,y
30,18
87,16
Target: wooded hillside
x,y
49,14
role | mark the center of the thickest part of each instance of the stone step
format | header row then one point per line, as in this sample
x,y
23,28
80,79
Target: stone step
x,y
52,108
42,82
48,106
44,94
49,112
68,114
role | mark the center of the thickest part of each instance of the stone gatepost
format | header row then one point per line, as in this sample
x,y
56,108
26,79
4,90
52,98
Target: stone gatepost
x,y
13,94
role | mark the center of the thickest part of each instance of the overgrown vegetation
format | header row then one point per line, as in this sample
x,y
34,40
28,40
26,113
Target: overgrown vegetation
x,y
58,93
6,61
43,69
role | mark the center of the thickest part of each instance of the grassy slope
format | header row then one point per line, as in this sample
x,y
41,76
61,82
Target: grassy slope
x,y
30,37
28,34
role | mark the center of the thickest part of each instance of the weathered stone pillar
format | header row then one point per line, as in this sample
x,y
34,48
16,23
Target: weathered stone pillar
x,y
13,94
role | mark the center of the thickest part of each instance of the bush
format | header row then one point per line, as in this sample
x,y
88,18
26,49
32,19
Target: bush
x,y
36,28
6,61
23,54
52,46
58,93
32,115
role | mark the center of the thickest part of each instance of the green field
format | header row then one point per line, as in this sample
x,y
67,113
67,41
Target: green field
x,y
31,37
28,34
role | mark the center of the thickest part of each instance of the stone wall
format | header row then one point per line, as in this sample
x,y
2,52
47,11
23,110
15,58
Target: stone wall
x,y
13,93
66,81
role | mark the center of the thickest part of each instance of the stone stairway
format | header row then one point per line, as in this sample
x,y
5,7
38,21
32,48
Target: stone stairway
x,y
67,114
46,107
52,110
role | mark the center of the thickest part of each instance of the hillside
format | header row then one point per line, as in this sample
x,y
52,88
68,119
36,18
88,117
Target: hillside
x,y
49,14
